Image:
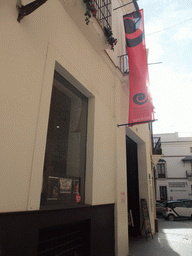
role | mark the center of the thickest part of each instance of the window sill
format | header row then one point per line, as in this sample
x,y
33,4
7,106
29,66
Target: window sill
x,y
63,207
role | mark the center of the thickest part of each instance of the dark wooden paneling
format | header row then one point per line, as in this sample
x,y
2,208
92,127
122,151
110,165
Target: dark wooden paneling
x,y
19,231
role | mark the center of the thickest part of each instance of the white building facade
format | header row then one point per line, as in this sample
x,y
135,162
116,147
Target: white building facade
x,y
64,160
173,171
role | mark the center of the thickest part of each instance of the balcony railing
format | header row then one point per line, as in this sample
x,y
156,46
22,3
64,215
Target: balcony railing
x,y
188,174
156,144
103,15
124,64
161,175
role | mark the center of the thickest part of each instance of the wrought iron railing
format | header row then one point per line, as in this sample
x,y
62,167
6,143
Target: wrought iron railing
x,y
161,175
156,144
103,15
124,64
188,174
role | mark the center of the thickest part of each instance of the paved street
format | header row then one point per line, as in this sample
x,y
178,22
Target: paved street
x,y
174,239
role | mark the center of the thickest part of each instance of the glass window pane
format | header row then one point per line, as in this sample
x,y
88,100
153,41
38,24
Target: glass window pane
x,y
64,165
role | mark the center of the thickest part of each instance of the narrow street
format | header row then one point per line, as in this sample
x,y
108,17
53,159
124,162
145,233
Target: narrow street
x,y
174,239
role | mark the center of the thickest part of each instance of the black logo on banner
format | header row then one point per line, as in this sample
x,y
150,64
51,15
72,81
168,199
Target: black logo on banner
x,y
140,99
133,24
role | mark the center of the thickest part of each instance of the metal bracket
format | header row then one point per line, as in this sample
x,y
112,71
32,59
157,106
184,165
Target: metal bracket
x,y
25,10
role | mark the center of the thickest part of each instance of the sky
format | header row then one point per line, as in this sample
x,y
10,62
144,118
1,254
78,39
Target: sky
x,y
170,81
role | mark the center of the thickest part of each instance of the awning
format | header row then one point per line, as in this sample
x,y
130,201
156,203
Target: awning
x,y
161,161
187,159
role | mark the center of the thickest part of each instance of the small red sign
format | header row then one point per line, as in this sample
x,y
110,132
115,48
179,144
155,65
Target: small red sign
x,y
78,198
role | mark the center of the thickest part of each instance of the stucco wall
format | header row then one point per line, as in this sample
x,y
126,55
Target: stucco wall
x,y
28,53
23,53
45,40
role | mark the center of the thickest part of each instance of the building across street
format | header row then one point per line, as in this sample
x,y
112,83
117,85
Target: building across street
x,y
173,173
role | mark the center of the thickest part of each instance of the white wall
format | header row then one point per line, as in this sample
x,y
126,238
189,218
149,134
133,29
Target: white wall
x,y
23,52
180,148
175,193
175,167
28,54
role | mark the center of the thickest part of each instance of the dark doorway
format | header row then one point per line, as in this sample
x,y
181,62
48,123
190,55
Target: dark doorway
x,y
133,186
163,192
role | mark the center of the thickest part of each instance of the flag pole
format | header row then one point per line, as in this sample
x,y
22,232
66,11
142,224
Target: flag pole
x,y
149,121
133,2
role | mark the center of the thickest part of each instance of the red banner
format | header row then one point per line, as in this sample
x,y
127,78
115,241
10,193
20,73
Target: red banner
x,y
140,102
